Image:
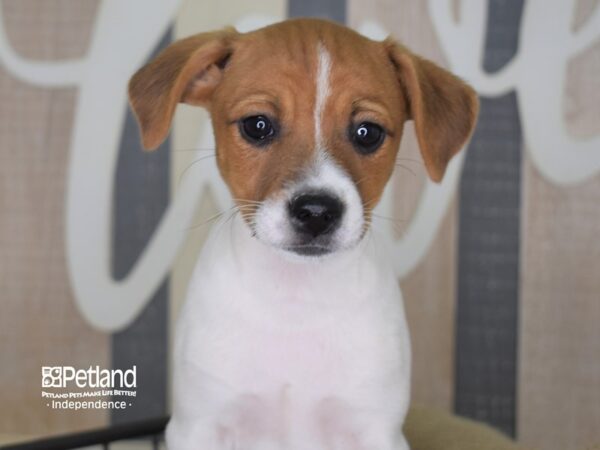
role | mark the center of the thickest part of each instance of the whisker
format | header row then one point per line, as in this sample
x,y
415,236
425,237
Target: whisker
x,y
406,168
214,217
210,219
231,216
363,179
367,204
247,209
418,161
397,224
379,216
244,200
193,164
195,149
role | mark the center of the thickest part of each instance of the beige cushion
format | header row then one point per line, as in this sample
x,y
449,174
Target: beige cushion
x,y
429,429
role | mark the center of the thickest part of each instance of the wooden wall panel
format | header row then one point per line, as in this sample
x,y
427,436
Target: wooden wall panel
x,y
39,323
559,375
559,365
429,292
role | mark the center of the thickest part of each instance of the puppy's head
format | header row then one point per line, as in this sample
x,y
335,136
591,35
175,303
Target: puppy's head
x,y
308,117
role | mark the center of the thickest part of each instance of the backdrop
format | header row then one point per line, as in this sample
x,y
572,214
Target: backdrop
x,y
499,265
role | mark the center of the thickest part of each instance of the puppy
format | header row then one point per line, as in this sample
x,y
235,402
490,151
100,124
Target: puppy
x,y
293,335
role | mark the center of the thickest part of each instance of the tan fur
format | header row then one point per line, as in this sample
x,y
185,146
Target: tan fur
x,y
272,71
443,107
186,72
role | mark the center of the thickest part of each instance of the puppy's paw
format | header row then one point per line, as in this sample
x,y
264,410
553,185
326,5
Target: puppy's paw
x,y
250,422
336,425
344,427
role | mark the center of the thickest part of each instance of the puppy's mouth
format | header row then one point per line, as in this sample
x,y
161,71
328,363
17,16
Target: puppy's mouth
x,y
310,249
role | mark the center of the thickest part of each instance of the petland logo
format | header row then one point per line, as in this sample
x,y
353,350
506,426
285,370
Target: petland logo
x,y
94,377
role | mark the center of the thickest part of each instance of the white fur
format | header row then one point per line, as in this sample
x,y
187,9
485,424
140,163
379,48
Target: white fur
x,y
322,93
297,355
274,352
272,224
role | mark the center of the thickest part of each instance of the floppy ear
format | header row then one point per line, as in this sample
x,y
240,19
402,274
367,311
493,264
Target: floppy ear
x,y
443,107
187,71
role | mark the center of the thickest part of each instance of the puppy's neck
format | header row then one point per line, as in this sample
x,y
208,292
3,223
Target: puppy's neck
x,y
264,285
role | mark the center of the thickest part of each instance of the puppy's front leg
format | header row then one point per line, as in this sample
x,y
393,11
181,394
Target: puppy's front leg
x,y
184,435
211,415
361,438
385,441
200,399
344,427
244,424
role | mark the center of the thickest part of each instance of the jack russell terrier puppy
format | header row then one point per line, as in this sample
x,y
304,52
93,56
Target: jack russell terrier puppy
x,y
293,335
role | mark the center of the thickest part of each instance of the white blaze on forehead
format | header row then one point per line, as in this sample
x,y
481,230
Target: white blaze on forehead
x,y
322,92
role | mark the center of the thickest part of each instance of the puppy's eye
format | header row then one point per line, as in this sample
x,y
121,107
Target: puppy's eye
x,y
367,137
257,130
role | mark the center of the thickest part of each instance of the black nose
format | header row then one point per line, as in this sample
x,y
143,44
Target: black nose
x,y
315,214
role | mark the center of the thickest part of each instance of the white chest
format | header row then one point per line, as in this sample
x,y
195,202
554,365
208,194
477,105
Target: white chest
x,y
258,326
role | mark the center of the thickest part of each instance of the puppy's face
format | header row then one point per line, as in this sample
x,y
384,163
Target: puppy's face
x,y
308,117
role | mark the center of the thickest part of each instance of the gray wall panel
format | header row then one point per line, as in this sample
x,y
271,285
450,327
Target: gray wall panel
x,y
488,280
326,9
141,196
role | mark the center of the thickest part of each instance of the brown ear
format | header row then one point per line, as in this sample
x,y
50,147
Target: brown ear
x,y
187,71
443,107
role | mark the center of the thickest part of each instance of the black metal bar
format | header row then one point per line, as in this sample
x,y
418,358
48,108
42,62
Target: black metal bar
x,y
102,436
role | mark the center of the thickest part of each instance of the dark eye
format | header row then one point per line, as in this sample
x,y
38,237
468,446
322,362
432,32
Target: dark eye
x,y
257,129
367,137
